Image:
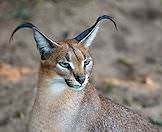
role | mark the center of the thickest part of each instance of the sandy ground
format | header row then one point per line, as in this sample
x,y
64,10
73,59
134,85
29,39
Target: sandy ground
x,y
128,62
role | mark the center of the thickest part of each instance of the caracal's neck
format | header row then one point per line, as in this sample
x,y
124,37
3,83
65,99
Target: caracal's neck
x,y
53,90
56,106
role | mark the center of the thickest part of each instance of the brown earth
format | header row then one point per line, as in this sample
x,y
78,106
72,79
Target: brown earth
x,y
128,62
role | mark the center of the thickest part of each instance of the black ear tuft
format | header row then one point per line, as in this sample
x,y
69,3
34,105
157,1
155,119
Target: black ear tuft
x,y
23,25
44,44
87,36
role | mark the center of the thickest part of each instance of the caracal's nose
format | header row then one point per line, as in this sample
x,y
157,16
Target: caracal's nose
x,y
80,78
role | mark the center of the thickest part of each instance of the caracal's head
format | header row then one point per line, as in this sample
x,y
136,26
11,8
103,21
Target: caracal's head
x,y
68,61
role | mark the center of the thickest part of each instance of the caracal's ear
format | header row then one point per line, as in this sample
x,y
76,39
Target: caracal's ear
x,y
44,44
87,36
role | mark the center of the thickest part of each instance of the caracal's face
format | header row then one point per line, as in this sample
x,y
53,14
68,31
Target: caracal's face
x,y
74,66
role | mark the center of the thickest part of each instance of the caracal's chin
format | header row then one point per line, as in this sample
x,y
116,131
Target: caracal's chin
x,y
74,85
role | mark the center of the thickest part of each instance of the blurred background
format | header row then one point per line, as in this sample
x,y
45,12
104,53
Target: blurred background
x,y
128,62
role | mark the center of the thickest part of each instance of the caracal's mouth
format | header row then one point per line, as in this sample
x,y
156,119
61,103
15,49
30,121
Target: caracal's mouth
x,y
76,87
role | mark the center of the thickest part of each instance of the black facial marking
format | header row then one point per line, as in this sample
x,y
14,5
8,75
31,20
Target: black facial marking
x,y
84,56
87,31
67,57
65,65
74,52
68,82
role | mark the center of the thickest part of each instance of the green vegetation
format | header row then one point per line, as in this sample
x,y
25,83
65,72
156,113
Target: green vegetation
x,y
109,87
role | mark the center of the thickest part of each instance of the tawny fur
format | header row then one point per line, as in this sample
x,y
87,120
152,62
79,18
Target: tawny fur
x,y
85,110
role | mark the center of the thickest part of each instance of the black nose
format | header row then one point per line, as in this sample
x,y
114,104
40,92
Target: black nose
x,y
80,78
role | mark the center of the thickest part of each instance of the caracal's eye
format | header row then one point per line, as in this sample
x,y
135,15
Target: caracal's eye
x,y
86,62
64,64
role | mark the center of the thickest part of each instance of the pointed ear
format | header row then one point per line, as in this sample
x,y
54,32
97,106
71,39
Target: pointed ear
x,y
44,44
87,36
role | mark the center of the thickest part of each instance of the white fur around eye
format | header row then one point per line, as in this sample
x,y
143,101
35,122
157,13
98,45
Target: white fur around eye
x,y
82,63
62,69
72,65
90,62
89,66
